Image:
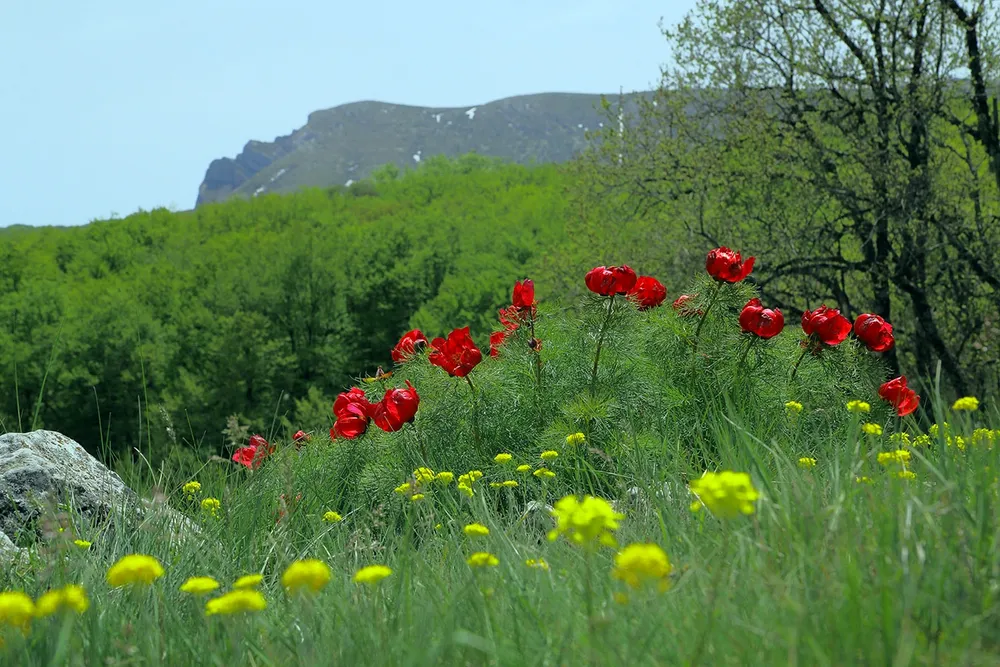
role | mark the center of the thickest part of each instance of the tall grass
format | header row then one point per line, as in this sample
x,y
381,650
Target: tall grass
x,y
842,563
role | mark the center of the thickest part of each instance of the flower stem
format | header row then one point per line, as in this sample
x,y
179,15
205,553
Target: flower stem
x,y
475,416
712,598
701,323
589,600
746,351
795,369
600,342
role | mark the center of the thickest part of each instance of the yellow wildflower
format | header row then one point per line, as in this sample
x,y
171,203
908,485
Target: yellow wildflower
x,y
417,497
544,473
538,564
550,455
306,575
199,585
871,429
922,440
898,456
211,506
900,439
524,467
508,483
70,598
248,581
984,436
503,458
476,530
134,569
969,403
332,517
403,488
585,522
906,474
466,489
574,439
726,494
934,429
423,475
445,478
83,544
192,488
483,559
863,480
957,441
16,610
793,407
236,602
807,462
371,574
858,406
638,564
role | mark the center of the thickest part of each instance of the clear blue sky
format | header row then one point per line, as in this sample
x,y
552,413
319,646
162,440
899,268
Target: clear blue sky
x,y
114,105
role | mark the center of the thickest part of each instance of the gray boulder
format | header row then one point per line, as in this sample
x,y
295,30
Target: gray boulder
x,y
9,553
46,470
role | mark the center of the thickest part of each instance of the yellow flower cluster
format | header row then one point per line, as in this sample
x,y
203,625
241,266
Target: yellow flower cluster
x,y
211,506
901,456
16,610
537,563
309,575
544,473
444,478
575,439
585,522
371,574
550,455
199,585
482,559
476,530
466,481
332,517
793,407
985,436
238,601
641,564
858,406
807,462
192,488
901,439
726,494
524,467
68,598
248,581
507,484
83,544
967,403
503,458
134,569
871,429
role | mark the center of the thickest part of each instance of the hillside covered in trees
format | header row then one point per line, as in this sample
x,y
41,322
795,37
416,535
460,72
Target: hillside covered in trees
x,y
161,325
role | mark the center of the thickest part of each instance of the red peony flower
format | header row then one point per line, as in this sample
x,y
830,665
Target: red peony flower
x,y
510,318
457,355
353,411
300,436
524,295
396,408
727,265
874,332
904,399
409,344
608,280
827,324
253,455
648,292
497,339
760,321
682,307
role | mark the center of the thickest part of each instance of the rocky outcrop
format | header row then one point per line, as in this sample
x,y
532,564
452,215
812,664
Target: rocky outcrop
x,y
45,470
10,554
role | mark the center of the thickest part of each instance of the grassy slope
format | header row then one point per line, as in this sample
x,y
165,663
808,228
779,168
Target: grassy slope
x,y
827,571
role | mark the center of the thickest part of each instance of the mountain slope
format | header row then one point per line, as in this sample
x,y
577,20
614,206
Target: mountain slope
x,y
347,142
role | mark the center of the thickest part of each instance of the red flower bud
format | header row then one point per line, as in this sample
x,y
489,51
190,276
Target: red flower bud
x,y
300,436
457,355
408,345
727,265
608,280
904,399
874,332
682,307
648,292
760,321
524,295
827,324
396,408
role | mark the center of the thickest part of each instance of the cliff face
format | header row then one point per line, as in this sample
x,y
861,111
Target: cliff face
x,y
344,144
